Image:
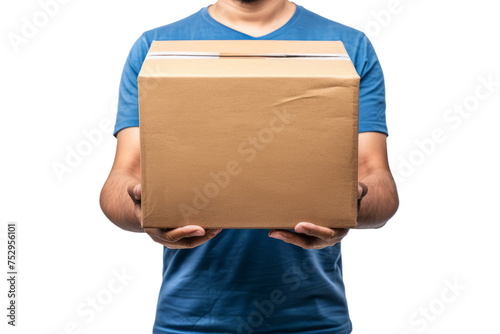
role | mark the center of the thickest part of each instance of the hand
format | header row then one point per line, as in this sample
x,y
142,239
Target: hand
x,y
312,236
189,236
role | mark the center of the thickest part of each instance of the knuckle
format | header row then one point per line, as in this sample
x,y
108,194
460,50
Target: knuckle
x,y
331,235
168,237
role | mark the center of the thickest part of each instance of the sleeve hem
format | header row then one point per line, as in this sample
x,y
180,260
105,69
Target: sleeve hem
x,y
373,126
122,126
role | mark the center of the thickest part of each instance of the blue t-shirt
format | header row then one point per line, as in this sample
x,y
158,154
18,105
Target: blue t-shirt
x,y
243,281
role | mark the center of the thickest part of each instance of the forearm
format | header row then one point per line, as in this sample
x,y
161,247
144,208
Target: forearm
x,y
380,202
116,202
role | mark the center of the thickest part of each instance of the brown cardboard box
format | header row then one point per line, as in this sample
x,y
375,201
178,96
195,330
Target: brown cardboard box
x,y
248,134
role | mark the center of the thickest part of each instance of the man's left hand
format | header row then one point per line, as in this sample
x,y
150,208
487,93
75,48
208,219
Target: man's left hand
x,y
312,236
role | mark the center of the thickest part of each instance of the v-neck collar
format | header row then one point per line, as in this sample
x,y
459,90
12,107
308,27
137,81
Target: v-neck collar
x,y
241,35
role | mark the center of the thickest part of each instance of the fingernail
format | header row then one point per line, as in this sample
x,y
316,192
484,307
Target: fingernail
x,y
277,235
197,233
301,229
304,227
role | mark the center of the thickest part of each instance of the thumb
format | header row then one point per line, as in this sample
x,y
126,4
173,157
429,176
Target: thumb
x,y
362,190
134,191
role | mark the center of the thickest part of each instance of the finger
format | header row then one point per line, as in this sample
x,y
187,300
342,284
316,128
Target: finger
x,y
189,242
324,233
362,190
138,211
193,242
135,191
174,235
301,240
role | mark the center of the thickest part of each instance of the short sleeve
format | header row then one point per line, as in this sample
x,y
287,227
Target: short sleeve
x,y
372,104
128,101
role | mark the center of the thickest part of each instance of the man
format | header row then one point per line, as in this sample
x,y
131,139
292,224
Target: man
x,y
247,281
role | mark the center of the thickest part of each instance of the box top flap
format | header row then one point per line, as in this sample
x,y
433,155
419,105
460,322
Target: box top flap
x,y
248,58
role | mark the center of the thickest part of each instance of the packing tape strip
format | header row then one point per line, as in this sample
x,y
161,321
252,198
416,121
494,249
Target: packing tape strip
x,y
213,55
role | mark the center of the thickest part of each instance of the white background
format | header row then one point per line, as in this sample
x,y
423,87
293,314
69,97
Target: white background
x,y
64,80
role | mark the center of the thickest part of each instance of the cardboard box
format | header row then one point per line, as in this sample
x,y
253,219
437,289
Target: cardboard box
x,y
248,134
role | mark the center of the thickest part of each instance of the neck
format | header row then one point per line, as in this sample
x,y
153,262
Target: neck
x,y
256,18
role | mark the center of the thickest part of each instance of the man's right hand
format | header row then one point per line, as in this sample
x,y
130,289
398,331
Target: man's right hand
x,y
189,236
